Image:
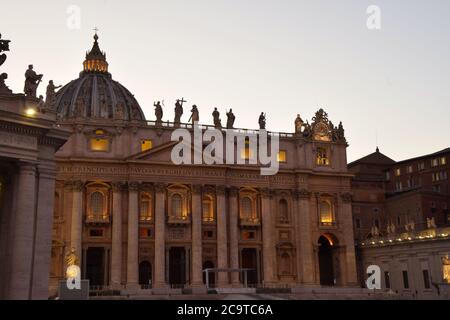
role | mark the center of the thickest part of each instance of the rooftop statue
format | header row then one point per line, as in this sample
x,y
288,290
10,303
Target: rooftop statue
x,y
194,114
216,118
72,258
178,110
4,46
158,112
32,80
298,124
50,98
262,121
230,119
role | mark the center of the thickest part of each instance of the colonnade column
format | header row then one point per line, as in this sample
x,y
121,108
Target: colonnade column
x,y
267,235
197,236
76,226
346,220
304,234
234,234
22,251
222,247
116,253
133,235
160,225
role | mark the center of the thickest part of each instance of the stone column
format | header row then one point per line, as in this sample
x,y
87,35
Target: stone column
x,y
116,246
133,235
160,225
76,229
234,234
222,250
43,237
304,242
197,280
23,233
345,221
268,236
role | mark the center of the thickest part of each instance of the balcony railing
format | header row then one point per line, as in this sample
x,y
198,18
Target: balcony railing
x,y
97,219
250,222
178,220
328,223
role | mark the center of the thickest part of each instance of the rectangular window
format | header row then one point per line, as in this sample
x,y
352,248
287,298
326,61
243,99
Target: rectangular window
x,y
387,280
96,232
322,157
248,235
388,175
443,161
437,188
99,144
145,232
405,279
146,144
208,234
397,172
422,166
281,156
358,223
426,279
434,162
409,169
377,223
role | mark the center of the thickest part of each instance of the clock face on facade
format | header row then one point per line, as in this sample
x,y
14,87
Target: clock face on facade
x,y
321,132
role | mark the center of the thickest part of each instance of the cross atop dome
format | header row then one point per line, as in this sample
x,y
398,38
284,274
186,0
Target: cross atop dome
x,y
95,59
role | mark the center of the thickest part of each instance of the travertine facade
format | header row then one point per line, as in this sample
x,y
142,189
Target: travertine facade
x,y
137,220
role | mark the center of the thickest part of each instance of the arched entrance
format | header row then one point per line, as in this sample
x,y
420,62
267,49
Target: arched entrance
x,y
145,273
211,275
326,266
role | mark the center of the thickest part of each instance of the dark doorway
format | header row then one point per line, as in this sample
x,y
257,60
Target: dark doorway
x,y
326,261
145,273
211,275
177,266
249,260
95,266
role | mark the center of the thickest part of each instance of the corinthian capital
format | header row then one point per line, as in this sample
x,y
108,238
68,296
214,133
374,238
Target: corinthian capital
x,y
133,186
77,185
160,187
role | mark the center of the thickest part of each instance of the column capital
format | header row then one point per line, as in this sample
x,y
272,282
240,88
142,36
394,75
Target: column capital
x,y
133,186
266,192
197,188
346,197
233,191
302,194
27,166
160,187
149,187
77,185
220,190
118,186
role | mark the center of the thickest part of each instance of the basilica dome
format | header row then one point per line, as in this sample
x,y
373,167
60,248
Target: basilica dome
x,y
95,95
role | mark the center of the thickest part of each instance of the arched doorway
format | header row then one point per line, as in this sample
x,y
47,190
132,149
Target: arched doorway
x,y
145,273
211,275
326,267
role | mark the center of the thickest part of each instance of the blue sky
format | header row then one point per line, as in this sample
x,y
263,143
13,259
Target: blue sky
x,y
280,57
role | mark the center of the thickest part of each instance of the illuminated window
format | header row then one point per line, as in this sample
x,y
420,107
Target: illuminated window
x,y
435,162
397,172
145,233
99,144
246,208
146,144
281,156
409,169
97,203
177,206
443,161
146,207
326,213
208,212
322,157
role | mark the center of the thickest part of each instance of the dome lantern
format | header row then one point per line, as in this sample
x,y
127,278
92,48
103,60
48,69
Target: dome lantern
x,y
95,59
